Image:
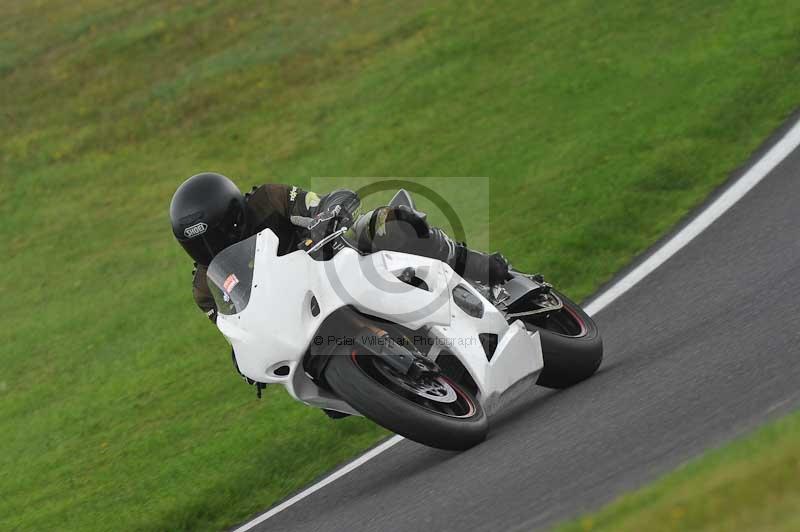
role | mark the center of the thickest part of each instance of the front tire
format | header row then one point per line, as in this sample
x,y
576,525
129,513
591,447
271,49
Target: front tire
x,y
359,379
571,346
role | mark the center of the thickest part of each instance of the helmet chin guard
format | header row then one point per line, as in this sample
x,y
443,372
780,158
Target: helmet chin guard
x,y
208,213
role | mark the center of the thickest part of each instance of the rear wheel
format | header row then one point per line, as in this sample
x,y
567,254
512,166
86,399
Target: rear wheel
x,y
571,345
432,410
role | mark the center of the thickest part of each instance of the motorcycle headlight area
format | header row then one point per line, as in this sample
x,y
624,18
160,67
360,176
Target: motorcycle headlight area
x,y
467,301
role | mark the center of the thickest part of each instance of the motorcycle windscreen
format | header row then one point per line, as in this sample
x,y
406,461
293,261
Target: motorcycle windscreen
x,y
230,276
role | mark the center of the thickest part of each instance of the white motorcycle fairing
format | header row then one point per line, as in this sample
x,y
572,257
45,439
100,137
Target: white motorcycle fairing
x,y
291,295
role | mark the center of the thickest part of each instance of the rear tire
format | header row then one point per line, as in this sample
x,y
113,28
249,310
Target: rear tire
x,y
401,415
569,358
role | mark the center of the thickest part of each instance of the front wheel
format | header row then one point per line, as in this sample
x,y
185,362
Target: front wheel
x,y
571,345
432,410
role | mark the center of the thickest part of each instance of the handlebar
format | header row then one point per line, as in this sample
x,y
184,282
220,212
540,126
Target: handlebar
x,y
333,236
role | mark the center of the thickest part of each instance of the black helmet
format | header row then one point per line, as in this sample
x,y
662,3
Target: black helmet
x,y
208,214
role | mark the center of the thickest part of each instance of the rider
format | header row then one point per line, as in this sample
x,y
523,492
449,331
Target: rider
x,y
209,213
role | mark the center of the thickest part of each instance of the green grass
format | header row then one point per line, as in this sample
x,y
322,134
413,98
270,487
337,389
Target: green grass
x,y
751,484
599,124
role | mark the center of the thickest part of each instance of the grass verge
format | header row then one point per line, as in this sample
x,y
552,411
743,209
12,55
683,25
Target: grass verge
x,y
751,484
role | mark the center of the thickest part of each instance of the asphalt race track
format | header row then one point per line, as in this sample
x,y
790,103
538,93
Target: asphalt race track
x,y
699,352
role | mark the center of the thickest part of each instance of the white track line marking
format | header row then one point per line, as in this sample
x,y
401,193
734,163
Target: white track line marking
x,y
322,483
709,215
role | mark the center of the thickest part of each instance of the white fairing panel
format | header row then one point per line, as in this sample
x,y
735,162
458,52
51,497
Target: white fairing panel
x,y
277,327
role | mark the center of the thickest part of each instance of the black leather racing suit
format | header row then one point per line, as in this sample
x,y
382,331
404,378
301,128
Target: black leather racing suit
x,y
274,206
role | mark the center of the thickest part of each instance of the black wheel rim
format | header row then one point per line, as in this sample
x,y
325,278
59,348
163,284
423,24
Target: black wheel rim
x,y
435,393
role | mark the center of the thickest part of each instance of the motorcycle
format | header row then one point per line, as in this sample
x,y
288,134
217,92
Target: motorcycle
x,y
401,339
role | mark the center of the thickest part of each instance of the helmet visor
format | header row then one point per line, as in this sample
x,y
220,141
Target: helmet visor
x,y
231,228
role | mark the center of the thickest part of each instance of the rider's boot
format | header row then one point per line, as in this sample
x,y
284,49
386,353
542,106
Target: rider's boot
x,y
488,269
335,414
